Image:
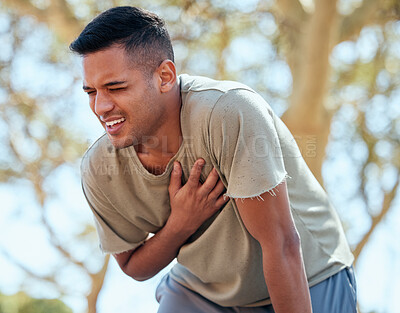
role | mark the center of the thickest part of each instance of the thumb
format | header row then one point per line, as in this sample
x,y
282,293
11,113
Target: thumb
x,y
175,182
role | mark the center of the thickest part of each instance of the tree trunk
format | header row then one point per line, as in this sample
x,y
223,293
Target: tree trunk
x,y
97,284
307,117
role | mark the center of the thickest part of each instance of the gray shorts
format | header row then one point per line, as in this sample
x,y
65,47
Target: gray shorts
x,y
336,294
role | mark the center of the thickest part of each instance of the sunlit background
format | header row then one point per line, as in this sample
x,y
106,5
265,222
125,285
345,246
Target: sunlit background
x,y
330,69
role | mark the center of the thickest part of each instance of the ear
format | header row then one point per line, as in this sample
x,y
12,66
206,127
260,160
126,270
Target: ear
x,y
167,75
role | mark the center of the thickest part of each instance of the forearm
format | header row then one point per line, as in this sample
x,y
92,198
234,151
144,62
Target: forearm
x,y
286,280
191,205
155,254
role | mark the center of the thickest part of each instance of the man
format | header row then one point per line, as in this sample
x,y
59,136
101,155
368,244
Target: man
x,y
213,173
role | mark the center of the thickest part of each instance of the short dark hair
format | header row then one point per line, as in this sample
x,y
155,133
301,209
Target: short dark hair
x,y
142,33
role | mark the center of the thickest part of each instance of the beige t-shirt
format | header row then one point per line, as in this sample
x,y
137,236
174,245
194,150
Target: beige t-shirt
x,y
232,128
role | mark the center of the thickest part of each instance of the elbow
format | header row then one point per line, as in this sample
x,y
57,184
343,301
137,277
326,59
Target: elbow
x,y
291,238
129,265
291,249
285,246
136,275
292,244
141,278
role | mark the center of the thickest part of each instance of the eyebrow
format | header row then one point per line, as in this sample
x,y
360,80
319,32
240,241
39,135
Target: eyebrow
x,y
113,83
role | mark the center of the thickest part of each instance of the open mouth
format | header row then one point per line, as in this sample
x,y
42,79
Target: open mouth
x,y
112,123
114,126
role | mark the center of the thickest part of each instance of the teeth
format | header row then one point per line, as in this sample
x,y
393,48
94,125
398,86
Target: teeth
x,y
115,121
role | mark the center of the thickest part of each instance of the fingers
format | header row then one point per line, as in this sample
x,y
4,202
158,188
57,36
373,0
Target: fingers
x,y
195,173
218,194
221,201
175,182
218,190
210,182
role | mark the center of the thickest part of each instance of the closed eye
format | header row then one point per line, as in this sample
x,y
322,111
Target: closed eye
x,y
116,89
91,93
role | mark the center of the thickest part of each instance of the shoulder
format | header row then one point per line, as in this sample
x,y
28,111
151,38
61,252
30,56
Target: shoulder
x,y
211,98
201,83
241,105
98,156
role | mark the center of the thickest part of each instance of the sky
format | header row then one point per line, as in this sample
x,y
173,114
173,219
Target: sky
x,y
22,235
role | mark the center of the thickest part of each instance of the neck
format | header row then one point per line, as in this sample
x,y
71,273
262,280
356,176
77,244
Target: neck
x,y
168,139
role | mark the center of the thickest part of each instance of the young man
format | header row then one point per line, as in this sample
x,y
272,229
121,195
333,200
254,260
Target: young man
x,y
213,173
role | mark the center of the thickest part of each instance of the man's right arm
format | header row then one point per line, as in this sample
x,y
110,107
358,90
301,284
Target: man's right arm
x,y
154,255
191,205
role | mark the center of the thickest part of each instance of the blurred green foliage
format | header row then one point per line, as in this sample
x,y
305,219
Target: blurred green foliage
x,y
260,43
22,303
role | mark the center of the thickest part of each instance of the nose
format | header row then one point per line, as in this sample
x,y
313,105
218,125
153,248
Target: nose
x,y
102,104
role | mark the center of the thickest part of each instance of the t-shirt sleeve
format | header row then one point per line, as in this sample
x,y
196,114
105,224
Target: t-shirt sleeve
x,y
244,144
116,233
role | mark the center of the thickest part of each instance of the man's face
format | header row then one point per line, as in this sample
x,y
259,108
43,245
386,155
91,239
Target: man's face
x,y
125,100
